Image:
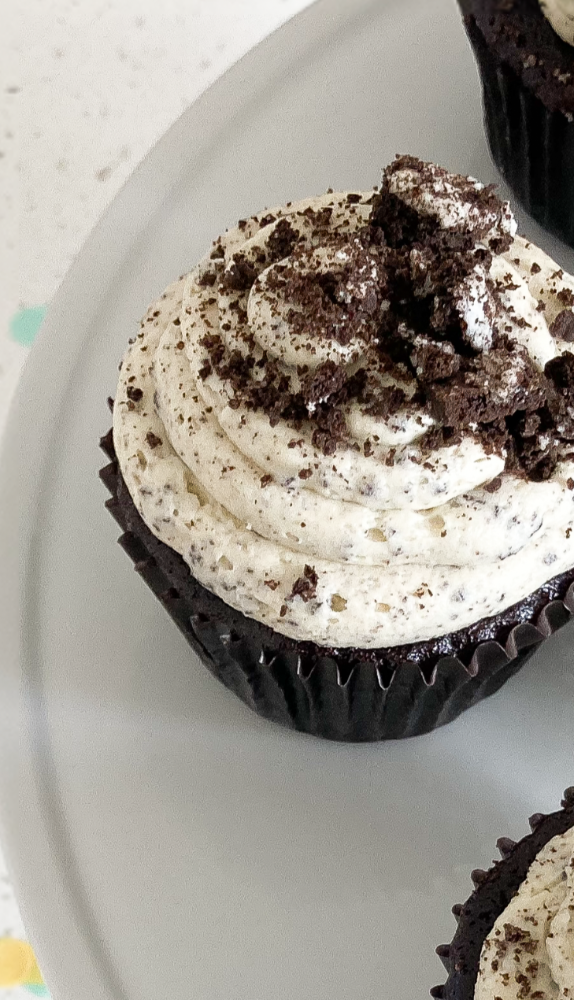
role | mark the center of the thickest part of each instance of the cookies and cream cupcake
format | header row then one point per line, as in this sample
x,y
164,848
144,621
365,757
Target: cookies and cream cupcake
x,y
343,454
515,936
525,54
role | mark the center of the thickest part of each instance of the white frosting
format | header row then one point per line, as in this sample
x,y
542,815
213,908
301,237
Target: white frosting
x,y
530,950
407,545
560,13
439,197
474,303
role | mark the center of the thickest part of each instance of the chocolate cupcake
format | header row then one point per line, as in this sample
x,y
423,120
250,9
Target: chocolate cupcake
x,y
343,455
525,53
515,937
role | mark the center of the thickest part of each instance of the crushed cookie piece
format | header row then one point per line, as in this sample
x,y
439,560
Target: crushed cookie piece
x,y
306,586
208,279
494,486
239,275
153,440
563,326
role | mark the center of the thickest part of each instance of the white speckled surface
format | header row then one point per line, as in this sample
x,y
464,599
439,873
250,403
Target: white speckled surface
x,y
86,88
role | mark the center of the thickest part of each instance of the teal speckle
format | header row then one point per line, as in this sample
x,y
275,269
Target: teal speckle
x,y
25,325
38,991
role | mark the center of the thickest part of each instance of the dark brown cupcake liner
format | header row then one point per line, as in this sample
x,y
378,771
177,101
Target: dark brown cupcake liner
x,y
494,890
345,695
532,146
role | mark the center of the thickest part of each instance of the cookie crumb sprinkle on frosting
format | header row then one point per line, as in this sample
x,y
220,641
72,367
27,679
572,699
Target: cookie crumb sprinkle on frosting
x,y
529,954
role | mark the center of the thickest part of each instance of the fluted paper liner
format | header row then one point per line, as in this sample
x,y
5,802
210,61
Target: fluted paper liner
x,y
532,146
344,699
494,890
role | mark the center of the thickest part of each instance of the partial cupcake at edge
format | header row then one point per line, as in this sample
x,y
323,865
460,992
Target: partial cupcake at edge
x,y
343,454
515,936
525,54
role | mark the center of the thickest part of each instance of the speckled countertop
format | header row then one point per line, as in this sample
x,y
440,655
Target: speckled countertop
x,y
86,88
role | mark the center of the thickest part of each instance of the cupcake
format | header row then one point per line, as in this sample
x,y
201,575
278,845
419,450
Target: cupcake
x,y
515,937
525,53
343,454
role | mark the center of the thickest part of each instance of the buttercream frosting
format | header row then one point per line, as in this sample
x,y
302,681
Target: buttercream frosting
x,y
560,13
376,538
530,951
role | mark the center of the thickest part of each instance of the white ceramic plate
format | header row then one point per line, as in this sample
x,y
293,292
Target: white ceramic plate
x,y
164,841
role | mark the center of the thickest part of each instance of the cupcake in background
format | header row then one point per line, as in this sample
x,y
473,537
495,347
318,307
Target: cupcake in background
x,y
525,54
343,455
515,936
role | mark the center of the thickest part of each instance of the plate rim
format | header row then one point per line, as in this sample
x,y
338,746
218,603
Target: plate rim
x,y
24,461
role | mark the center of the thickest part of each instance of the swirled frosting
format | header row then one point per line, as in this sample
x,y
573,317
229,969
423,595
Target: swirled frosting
x,y
353,418
530,950
560,13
